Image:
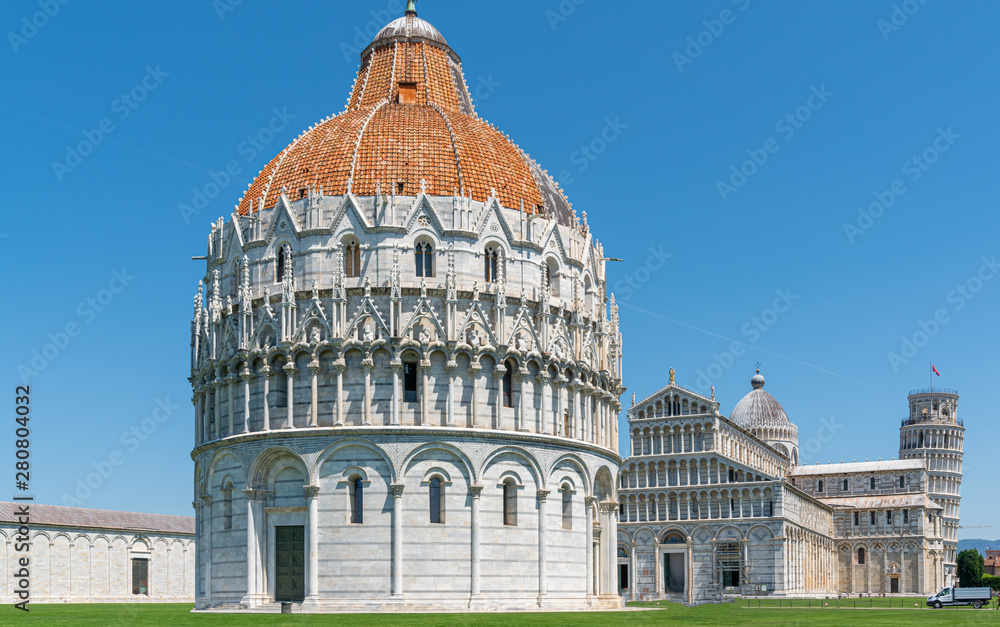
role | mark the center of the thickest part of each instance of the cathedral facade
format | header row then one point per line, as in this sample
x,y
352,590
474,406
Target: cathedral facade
x,y
711,506
405,367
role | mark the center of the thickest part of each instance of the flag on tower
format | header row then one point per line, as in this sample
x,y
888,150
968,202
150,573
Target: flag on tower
x,y
935,370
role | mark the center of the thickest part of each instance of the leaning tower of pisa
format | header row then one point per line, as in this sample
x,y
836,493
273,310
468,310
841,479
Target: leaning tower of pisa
x,y
934,432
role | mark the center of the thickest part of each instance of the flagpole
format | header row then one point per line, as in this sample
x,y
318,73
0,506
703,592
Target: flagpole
x,y
930,376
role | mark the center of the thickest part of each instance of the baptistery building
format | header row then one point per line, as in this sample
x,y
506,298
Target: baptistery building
x,y
405,366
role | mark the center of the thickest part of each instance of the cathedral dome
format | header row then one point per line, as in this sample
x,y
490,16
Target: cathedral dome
x,y
409,128
758,408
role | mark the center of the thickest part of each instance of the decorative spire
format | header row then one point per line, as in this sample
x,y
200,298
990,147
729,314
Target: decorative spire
x,y
411,8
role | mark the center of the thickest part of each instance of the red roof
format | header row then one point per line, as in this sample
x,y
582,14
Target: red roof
x,y
386,140
60,516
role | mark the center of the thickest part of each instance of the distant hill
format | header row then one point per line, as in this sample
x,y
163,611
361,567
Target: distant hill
x,y
979,545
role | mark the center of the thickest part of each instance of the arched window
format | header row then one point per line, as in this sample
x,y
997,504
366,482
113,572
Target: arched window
x,y
279,272
846,486
227,506
508,384
436,501
409,382
861,556
352,258
902,481
509,503
553,270
424,262
492,264
357,501
872,483
567,507
820,487
588,295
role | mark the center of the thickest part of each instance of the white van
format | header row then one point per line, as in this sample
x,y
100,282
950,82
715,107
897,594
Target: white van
x,y
976,597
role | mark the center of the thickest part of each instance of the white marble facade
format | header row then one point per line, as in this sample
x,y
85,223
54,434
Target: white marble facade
x,y
711,506
90,556
307,380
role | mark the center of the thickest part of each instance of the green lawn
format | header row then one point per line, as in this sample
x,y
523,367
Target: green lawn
x,y
664,614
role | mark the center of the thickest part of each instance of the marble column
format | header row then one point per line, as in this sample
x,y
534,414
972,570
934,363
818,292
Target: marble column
x,y
689,576
496,409
206,418
290,372
196,506
206,539
425,392
475,491
543,585
609,544
230,385
367,365
474,371
574,409
561,408
546,384
450,372
397,539
633,584
217,417
314,370
255,548
397,368
657,568
266,375
199,419
312,544
522,399
339,366
588,520
247,378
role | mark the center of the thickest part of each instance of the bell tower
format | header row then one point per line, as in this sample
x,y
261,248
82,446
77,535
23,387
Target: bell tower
x,y
934,433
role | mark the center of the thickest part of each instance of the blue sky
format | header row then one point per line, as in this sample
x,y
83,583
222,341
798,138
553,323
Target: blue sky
x,y
668,123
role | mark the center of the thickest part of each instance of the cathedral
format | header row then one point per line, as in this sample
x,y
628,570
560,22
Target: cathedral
x,y
711,506
405,367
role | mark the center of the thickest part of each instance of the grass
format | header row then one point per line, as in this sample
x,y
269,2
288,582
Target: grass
x,y
178,615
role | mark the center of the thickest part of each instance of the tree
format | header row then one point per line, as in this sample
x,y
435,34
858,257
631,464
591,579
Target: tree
x,y
970,568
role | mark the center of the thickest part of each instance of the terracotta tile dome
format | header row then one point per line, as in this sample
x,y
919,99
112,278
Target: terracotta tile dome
x,y
409,118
